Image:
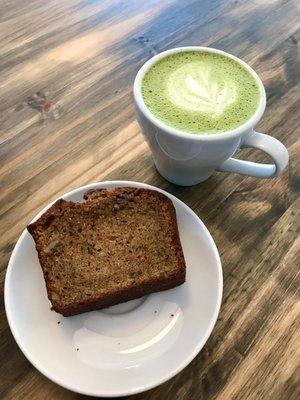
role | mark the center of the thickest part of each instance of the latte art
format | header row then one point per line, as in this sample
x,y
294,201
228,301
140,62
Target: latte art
x,y
192,87
200,92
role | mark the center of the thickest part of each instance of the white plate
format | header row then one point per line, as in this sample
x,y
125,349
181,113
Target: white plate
x,y
127,348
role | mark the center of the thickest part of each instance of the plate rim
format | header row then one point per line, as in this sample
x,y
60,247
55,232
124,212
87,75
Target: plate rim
x,y
174,371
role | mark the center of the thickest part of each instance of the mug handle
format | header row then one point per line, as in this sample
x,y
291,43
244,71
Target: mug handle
x,y
269,145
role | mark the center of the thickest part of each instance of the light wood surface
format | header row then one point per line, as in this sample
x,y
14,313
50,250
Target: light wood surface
x,y
67,119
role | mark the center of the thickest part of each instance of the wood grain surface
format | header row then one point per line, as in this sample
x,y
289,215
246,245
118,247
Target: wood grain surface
x,y
67,119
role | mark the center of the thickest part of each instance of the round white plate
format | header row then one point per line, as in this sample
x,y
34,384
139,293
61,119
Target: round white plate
x,y
127,348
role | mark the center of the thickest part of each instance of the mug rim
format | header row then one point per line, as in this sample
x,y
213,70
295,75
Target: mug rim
x,y
203,136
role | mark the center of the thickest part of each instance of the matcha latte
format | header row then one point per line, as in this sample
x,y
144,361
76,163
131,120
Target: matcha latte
x,y
200,92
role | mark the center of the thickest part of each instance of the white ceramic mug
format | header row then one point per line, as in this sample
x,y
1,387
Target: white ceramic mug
x,y
186,158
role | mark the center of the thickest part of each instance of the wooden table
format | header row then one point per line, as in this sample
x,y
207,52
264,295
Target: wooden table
x,y
67,119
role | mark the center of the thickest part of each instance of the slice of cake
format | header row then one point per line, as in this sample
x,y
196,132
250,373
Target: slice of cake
x,y
118,245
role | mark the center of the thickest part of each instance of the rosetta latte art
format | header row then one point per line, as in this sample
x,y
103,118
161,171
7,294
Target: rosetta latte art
x,y
191,87
200,92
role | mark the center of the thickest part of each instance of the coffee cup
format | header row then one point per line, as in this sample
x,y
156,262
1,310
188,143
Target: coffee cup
x,y
187,158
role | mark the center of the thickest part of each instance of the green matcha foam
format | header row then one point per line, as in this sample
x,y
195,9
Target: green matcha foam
x,y
200,92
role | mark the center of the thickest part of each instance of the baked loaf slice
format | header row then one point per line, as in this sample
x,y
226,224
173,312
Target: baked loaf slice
x,y
118,245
